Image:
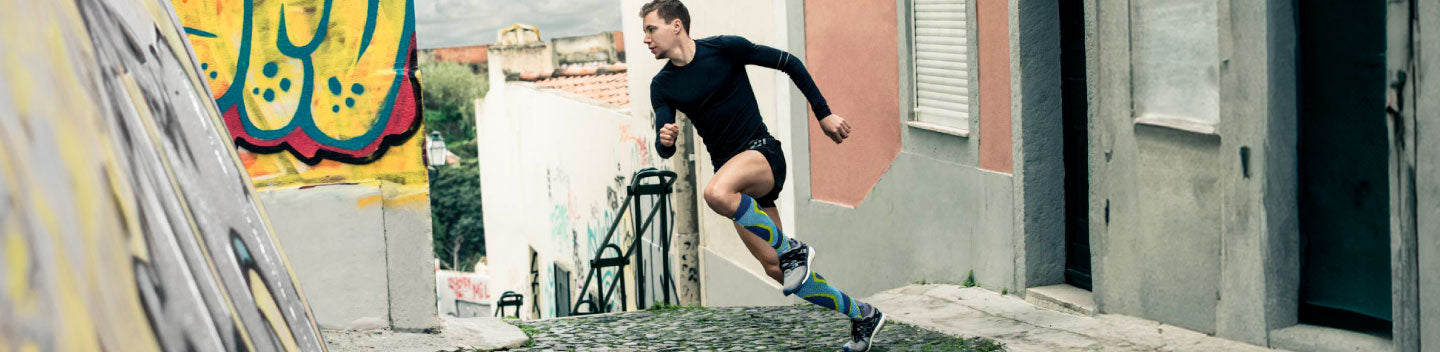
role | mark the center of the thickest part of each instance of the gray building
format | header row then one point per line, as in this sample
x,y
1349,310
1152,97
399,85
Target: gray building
x,y
1256,170
1263,171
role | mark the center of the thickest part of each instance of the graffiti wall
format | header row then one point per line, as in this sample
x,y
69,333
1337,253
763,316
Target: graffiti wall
x,y
323,93
126,221
463,294
313,91
554,168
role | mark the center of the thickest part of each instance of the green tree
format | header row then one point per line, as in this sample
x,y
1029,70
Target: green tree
x,y
458,232
449,91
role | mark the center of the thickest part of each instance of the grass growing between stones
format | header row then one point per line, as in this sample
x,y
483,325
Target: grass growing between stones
x,y
530,332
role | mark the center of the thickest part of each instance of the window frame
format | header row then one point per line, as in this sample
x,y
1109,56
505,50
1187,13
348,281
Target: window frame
x,y
909,94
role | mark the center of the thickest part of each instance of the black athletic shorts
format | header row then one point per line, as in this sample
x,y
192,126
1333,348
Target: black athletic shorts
x,y
770,148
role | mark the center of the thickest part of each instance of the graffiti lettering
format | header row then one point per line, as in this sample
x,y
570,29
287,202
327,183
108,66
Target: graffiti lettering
x,y
287,81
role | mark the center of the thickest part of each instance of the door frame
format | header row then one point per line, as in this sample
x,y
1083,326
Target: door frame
x,y
1400,66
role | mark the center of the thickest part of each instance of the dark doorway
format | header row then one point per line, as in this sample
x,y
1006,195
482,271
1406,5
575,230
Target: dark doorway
x,y
562,292
1077,177
1344,181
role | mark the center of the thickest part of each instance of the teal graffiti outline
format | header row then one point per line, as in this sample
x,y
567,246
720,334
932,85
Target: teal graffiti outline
x,y
303,118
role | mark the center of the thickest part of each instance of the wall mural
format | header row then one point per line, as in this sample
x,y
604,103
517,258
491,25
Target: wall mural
x,y
126,221
314,91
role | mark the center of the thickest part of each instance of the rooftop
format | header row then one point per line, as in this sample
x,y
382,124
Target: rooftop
x,y
608,88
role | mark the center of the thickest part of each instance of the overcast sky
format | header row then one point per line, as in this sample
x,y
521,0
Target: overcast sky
x,y
445,23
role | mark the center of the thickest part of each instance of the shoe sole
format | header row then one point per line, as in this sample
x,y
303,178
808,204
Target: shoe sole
x,y
809,259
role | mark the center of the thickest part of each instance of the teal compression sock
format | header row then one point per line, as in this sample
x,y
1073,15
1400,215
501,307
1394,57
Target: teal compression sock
x,y
819,292
751,217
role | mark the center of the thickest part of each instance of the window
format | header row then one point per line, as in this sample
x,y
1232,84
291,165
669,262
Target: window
x,y
940,65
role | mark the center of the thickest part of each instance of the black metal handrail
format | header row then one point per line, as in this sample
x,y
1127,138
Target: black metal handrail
x,y
638,189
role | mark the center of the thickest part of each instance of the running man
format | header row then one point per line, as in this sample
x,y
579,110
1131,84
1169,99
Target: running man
x,y
706,80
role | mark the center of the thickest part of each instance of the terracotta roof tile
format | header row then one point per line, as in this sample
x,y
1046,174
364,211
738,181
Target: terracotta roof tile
x,y
612,88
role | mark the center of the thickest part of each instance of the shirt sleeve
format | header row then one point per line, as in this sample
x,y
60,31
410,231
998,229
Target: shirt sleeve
x,y
742,49
664,114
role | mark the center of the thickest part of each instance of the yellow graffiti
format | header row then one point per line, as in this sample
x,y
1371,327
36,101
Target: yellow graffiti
x,y
340,88
17,263
271,310
121,196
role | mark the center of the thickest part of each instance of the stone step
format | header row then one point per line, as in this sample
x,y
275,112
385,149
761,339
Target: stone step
x,y
1062,298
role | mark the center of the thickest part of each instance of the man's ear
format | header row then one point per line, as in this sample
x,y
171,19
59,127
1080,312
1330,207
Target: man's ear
x,y
676,25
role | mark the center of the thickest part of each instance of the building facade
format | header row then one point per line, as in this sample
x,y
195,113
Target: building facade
x,y
327,133
1204,164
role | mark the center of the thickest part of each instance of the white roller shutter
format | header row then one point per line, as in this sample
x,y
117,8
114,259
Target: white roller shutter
x,y
941,63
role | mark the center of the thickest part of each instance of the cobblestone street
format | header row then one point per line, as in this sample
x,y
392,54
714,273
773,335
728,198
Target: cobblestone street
x,y
789,328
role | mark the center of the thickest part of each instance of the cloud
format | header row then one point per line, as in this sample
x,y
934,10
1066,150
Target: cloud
x,y
444,23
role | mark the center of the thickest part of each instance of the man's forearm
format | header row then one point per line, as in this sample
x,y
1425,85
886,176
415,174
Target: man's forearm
x,y
799,75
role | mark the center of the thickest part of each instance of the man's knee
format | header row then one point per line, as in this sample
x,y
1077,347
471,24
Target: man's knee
x,y
719,199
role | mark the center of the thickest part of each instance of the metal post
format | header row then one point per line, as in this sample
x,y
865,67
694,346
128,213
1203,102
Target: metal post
x,y
620,275
664,234
639,255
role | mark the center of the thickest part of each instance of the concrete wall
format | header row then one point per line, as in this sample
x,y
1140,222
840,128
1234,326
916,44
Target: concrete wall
x,y
1038,146
373,270
357,301
1156,244
722,255
523,58
334,113
1225,203
1260,236
361,272
585,49
554,174
409,257
934,214
128,222
1245,250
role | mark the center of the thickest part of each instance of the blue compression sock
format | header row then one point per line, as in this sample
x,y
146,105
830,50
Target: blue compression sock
x,y
819,292
749,216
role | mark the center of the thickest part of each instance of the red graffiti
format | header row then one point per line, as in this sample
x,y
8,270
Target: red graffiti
x,y
640,144
468,289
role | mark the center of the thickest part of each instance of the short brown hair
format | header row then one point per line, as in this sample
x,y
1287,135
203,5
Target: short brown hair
x,y
668,10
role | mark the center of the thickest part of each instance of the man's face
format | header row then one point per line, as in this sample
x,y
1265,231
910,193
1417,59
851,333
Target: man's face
x,y
659,35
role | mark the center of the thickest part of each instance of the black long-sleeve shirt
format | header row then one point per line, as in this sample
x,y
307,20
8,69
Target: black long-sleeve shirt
x,y
714,92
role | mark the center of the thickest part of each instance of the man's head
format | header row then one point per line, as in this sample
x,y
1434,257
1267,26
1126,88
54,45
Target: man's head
x,y
666,23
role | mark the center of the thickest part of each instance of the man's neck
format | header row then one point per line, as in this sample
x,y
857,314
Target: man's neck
x,y
686,52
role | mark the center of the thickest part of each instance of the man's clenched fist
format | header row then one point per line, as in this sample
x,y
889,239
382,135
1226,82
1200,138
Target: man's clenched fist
x,y
668,134
835,127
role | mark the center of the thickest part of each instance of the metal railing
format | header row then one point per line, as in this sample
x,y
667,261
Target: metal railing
x,y
639,190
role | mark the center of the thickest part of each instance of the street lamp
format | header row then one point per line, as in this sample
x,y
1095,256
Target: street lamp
x,y
435,150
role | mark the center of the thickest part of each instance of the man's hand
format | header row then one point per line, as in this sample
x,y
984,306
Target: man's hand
x,y
835,127
668,134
